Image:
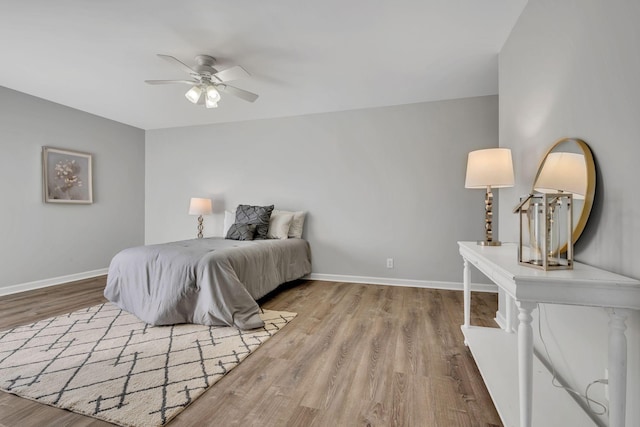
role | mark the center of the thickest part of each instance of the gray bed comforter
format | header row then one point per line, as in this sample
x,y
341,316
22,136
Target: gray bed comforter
x,y
210,281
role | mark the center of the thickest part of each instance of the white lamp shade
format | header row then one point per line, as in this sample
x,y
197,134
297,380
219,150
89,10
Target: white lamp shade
x,y
194,94
489,167
212,94
212,97
200,206
563,172
210,104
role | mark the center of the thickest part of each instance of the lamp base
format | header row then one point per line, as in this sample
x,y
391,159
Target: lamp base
x,y
489,243
200,227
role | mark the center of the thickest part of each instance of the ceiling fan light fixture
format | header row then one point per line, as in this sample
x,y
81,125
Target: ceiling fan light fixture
x,y
206,82
212,97
212,94
194,94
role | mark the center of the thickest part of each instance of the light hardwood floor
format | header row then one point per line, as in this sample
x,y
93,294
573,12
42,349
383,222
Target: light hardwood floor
x,y
356,355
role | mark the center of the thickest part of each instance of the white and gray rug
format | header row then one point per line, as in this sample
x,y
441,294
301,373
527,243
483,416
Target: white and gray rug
x,y
105,363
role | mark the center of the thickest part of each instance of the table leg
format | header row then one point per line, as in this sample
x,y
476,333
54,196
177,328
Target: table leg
x,y
525,361
467,294
617,367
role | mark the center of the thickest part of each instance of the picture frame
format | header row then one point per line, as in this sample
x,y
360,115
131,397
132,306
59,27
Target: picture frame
x,y
67,176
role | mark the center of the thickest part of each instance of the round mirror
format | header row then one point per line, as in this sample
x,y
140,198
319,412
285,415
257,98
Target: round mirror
x,y
568,167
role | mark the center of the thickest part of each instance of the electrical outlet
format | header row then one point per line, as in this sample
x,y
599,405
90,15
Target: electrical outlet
x,y
389,262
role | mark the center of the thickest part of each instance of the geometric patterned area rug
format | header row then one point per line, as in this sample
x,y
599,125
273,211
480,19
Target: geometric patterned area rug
x,y
105,363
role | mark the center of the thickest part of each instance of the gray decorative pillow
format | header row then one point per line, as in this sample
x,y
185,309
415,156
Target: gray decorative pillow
x,y
241,232
255,215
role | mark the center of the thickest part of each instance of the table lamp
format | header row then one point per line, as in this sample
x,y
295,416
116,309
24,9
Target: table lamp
x,y
491,167
200,207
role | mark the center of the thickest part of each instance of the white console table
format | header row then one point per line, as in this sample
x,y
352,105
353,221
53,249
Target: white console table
x,y
584,285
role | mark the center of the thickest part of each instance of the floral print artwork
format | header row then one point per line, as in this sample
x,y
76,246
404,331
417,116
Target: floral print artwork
x,y
67,176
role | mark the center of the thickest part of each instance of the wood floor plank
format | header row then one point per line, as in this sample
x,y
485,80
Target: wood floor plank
x,y
356,354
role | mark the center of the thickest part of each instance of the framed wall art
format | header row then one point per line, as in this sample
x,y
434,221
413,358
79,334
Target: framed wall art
x,y
66,176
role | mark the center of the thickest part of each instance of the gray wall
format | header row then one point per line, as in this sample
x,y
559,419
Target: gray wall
x,y
376,183
570,68
43,241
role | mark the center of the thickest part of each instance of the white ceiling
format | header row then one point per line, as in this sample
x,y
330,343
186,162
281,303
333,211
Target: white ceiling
x,y
304,56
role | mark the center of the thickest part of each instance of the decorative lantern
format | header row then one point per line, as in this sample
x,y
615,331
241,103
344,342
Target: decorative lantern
x,y
546,224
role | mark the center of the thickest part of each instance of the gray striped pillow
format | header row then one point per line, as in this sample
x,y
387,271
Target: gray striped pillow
x,y
255,215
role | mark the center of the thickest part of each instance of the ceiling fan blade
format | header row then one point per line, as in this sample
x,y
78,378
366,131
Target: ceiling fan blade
x,y
240,93
234,73
167,82
184,67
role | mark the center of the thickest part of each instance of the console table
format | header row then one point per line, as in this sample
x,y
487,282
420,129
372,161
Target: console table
x,y
584,285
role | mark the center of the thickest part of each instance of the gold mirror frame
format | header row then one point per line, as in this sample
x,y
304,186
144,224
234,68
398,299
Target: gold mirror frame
x,y
582,148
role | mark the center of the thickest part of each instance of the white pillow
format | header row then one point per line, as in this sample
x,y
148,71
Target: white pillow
x,y
229,219
279,224
295,230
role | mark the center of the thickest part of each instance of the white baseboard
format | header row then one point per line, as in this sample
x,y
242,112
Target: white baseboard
x,y
430,284
22,287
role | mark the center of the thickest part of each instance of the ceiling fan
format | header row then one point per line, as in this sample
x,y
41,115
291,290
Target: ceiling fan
x,y
206,82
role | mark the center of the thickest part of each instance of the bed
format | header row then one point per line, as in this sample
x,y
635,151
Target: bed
x,y
211,281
